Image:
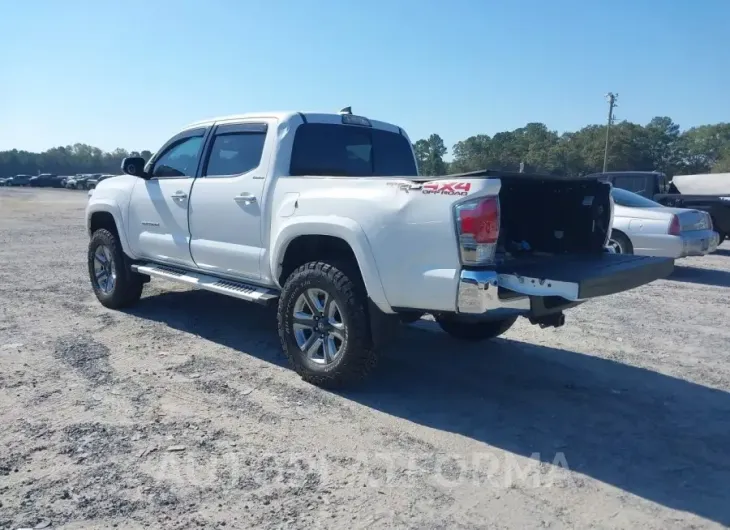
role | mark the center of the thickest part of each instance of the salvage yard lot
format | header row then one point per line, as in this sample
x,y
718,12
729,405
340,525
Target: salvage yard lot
x,y
181,412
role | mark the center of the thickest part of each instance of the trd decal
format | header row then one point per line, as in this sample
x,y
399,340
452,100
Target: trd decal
x,y
446,188
403,186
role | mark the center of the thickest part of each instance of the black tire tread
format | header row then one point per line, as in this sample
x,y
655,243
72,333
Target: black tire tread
x,y
360,357
129,285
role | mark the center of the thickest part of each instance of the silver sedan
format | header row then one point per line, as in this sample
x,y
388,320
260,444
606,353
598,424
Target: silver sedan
x,y
642,226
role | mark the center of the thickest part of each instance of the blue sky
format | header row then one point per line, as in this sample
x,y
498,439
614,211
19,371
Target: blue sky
x,y
130,73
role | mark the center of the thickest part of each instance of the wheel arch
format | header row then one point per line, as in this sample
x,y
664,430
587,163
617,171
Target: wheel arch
x,y
622,234
316,238
108,216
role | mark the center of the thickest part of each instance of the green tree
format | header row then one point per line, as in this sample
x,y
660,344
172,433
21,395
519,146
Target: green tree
x,y
430,155
472,154
702,147
660,143
722,164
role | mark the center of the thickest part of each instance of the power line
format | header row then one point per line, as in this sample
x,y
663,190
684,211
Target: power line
x,y
612,98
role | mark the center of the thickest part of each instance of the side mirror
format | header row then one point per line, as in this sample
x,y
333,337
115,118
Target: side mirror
x,y
134,165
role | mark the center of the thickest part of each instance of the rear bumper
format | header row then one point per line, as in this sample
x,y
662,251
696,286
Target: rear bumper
x,y
699,243
520,287
480,293
695,243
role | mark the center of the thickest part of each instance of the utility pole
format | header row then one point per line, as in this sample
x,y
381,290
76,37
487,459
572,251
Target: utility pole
x,y
611,97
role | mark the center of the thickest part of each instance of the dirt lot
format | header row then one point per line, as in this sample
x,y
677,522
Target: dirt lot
x,y
181,412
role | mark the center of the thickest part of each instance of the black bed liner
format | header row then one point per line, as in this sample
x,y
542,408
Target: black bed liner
x,y
596,275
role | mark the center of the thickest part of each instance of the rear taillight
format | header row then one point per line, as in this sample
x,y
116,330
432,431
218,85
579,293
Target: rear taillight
x,y
674,228
477,225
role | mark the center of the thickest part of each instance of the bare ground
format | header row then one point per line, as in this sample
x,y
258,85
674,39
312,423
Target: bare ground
x,y
181,412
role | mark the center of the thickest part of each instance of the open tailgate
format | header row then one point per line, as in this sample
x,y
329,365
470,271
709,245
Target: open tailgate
x,y
581,277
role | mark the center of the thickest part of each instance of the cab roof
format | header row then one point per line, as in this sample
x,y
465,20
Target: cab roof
x,y
286,116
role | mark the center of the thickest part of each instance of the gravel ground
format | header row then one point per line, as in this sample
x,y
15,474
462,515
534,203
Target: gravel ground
x,y
181,412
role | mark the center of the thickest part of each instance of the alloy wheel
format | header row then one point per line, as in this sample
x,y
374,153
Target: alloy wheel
x,y
319,328
614,247
105,274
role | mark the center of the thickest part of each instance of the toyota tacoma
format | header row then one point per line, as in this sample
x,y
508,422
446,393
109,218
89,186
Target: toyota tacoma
x,y
325,216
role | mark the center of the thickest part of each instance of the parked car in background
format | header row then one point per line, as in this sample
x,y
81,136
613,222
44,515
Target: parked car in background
x,y
71,182
645,227
92,182
19,180
45,180
3,180
709,193
78,182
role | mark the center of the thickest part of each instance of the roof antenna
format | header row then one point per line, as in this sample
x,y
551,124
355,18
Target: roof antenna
x,y
346,110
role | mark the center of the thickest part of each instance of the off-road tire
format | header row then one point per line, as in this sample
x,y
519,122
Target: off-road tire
x,y
128,284
358,356
474,330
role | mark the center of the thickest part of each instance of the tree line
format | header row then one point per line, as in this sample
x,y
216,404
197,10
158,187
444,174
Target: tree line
x,y
69,160
658,145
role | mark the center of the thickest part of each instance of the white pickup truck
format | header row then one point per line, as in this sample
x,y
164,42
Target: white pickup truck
x,y
326,216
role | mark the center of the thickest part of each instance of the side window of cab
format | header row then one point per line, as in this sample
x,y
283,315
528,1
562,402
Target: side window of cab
x,y
179,157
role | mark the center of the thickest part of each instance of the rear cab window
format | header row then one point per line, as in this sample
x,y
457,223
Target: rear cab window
x,y
322,149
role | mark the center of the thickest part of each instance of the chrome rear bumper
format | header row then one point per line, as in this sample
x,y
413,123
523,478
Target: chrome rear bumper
x,y
561,280
479,294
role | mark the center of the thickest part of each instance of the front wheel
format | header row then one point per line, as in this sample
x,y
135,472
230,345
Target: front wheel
x,y
474,330
323,325
115,284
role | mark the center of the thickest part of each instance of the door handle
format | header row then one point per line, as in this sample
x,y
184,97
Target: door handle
x,y
179,195
245,198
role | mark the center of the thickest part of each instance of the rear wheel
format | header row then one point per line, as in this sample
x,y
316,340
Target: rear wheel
x,y
115,284
618,243
475,330
323,325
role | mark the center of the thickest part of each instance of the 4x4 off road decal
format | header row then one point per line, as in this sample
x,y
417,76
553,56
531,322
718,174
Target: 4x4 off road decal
x,y
434,188
446,188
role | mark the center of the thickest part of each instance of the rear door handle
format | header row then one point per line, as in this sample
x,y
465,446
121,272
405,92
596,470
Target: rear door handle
x,y
245,198
179,195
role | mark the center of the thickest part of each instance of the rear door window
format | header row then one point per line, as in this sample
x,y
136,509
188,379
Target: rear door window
x,y
350,151
235,153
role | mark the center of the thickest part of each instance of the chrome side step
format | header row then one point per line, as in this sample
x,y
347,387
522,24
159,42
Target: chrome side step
x,y
236,289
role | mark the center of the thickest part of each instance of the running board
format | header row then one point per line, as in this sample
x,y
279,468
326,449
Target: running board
x,y
241,290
